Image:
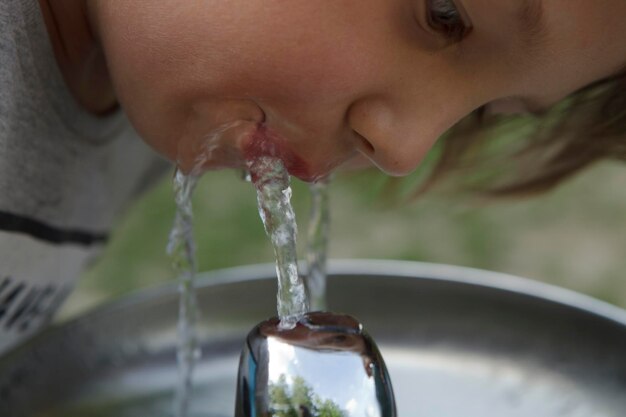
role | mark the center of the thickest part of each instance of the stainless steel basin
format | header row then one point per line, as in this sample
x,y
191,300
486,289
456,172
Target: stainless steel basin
x,y
457,342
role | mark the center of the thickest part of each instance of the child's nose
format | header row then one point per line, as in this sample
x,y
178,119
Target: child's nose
x,y
393,140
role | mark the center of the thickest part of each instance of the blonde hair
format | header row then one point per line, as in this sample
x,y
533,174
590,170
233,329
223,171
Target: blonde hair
x,y
522,155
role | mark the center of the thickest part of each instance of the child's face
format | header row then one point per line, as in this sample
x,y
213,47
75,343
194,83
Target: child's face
x,y
331,80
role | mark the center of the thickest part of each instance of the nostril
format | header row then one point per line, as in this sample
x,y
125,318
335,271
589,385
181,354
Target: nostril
x,y
364,144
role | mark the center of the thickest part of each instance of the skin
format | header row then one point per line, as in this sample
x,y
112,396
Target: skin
x,y
327,82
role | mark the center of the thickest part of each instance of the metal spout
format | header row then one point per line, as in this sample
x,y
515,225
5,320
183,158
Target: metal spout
x,y
327,365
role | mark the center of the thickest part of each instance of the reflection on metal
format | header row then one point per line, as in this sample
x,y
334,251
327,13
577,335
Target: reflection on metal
x,y
456,341
325,366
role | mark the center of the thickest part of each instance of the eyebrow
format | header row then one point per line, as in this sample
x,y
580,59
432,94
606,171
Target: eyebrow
x,y
531,22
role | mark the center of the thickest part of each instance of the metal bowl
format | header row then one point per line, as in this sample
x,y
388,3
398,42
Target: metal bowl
x,y
457,342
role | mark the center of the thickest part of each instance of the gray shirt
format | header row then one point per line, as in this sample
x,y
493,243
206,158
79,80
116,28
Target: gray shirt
x,y
64,175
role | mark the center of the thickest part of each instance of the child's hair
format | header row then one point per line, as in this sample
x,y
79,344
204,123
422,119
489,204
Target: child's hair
x,y
519,155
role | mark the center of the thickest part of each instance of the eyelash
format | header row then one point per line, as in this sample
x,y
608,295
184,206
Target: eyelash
x,y
444,17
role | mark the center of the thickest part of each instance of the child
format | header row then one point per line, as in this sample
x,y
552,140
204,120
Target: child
x,y
322,84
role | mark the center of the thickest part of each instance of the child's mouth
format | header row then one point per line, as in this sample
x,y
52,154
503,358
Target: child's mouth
x,y
229,133
235,144
266,142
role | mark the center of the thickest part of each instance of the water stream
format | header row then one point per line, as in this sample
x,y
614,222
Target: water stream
x,y
181,248
272,183
317,244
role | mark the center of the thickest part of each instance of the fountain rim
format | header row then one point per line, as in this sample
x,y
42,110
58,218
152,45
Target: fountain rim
x,y
384,268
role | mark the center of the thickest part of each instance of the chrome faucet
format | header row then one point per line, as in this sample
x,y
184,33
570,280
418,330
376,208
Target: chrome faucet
x,y
327,365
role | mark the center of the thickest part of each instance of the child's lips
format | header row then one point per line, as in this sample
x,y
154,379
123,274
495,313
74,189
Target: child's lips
x,y
234,144
266,142
229,133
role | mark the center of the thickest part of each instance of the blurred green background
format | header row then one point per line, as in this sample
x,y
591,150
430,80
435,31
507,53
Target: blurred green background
x,y
572,237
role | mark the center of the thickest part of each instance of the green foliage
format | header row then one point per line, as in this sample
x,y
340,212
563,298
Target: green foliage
x,y
298,400
571,237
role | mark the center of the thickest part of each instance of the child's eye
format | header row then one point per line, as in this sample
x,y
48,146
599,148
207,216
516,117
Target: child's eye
x,y
445,17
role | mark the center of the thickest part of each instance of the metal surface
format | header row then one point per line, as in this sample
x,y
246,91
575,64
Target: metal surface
x,y
457,342
326,365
